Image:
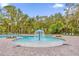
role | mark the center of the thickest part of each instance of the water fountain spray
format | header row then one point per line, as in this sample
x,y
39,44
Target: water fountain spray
x,y
39,33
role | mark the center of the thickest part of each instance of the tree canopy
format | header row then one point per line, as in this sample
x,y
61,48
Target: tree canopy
x,y
13,20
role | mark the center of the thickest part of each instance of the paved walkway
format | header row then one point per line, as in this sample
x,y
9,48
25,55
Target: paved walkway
x,y
70,49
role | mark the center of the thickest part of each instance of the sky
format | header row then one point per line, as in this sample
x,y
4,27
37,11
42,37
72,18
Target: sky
x,y
41,9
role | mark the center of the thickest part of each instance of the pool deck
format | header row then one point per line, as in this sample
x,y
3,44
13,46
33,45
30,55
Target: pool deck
x,y
70,48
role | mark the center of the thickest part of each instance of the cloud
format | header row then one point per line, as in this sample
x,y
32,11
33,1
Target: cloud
x,y
4,4
58,5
